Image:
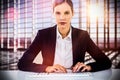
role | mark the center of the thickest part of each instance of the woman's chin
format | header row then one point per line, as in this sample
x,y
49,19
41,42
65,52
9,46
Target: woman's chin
x,y
63,26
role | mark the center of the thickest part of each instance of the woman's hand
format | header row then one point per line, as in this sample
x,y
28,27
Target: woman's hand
x,y
56,68
81,67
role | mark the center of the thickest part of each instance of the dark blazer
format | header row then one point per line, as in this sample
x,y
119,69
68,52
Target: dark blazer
x,y
45,42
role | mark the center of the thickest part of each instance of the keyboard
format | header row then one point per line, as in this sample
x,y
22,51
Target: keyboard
x,y
60,76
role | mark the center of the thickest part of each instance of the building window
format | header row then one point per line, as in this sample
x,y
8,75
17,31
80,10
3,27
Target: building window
x,y
21,19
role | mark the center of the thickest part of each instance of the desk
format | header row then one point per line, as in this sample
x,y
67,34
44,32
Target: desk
x,y
110,74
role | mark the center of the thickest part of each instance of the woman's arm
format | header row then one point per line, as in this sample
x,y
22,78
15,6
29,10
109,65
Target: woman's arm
x,y
26,61
102,62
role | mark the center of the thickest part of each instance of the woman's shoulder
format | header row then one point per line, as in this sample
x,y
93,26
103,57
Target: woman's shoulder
x,y
80,31
47,30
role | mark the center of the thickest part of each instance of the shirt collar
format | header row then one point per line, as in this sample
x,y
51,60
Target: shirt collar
x,y
67,37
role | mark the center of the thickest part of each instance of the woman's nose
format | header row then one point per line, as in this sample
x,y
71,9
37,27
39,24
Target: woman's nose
x,y
62,16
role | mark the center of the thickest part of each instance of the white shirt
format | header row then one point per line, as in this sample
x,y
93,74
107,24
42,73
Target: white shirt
x,y
63,50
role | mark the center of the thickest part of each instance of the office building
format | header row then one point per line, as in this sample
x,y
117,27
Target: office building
x,y
21,19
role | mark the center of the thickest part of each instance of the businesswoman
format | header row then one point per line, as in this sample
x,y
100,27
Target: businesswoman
x,y
63,46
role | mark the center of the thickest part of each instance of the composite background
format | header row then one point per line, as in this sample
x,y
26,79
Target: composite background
x,y
21,19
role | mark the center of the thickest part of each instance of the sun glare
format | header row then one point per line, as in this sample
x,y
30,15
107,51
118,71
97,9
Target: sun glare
x,y
95,11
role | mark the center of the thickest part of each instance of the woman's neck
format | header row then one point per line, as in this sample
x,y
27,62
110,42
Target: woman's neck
x,y
64,32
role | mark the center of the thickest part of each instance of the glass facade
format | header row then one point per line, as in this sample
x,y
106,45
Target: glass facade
x,y
21,19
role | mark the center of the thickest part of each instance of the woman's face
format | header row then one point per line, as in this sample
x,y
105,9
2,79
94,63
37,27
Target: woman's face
x,y
63,15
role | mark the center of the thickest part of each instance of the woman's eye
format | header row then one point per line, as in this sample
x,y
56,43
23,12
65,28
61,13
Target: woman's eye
x,y
57,13
66,12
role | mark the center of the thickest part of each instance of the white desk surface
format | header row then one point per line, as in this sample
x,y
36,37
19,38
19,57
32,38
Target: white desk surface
x,y
110,74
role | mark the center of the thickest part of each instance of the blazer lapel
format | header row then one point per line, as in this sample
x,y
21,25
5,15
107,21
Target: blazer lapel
x,y
74,34
53,44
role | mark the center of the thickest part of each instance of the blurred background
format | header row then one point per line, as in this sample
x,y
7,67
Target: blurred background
x,y
21,19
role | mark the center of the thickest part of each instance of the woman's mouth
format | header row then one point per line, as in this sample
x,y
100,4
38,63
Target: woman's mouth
x,y
62,23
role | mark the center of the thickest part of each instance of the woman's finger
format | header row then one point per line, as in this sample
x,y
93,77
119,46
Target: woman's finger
x,y
75,68
86,68
60,68
81,67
